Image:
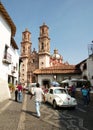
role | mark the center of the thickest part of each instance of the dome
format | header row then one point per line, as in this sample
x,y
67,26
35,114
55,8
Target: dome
x,y
56,55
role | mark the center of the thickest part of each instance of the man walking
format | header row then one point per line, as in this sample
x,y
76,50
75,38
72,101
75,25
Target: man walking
x,y
38,92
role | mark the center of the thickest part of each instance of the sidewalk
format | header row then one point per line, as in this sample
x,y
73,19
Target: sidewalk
x,y
22,116
9,114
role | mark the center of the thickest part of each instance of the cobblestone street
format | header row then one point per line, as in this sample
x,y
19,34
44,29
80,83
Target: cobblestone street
x,y
22,116
17,116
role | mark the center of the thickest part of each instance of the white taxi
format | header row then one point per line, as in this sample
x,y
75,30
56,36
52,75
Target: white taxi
x,y
58,96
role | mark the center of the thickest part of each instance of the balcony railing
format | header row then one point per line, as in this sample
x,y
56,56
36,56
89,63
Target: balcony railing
x,y
13,69
7,58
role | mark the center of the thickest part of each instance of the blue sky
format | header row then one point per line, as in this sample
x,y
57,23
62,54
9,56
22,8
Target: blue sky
x,y
70,24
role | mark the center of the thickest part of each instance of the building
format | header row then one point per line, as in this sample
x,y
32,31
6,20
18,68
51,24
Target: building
x,y
29,59
41,66
86,67
9,57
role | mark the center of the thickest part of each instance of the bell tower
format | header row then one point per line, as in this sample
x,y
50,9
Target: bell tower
x,y
25,54
26,43
44,46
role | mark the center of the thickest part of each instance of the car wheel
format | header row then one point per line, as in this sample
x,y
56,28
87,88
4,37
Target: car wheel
x,y
54,104
74,107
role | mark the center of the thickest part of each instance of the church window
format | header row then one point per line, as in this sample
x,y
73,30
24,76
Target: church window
x,y
22,79
42,30
42,46
33,60
23,49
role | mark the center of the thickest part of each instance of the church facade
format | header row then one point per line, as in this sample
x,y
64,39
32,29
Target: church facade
x,y
41,66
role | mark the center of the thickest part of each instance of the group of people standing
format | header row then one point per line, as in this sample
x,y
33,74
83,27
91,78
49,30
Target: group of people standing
x,y
18,93
85,91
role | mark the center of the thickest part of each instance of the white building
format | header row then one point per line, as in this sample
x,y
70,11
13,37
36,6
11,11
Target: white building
x,y
86,67
9,58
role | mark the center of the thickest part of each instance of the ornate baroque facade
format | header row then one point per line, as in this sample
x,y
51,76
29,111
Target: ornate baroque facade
x,y
33,61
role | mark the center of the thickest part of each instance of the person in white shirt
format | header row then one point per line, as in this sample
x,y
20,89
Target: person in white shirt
x,y
38,92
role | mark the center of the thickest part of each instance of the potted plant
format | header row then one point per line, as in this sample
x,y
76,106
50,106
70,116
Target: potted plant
x,y
11,87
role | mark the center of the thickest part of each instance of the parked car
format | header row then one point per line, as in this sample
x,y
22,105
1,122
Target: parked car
x,y
58,96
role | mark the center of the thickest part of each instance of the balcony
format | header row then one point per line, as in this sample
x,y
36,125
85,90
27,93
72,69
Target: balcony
x,y
13,69
7,58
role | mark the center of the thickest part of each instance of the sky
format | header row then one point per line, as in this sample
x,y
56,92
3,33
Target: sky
x,y
70,24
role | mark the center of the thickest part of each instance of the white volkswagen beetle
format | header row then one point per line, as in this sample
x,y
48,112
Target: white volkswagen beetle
x,y
58,96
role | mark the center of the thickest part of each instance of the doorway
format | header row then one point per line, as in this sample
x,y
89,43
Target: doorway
x,y
46,83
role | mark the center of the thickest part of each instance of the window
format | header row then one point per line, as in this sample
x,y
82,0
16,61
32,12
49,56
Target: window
x,y
84,66
23,49
51,91
42,63
59,91
7,57
42,46
33,60
5,52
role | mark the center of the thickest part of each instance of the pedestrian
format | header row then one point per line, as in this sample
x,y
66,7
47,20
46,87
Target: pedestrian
x,y
16,92
20,90
84,91
88,95
38,92
73,90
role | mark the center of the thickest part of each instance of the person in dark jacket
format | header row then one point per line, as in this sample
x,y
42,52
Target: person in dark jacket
x,y
16,92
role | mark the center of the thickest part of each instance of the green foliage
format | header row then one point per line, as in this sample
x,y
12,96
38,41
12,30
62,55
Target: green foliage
x,y
11,86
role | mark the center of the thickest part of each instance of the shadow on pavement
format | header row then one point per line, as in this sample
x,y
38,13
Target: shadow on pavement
x,y
30,113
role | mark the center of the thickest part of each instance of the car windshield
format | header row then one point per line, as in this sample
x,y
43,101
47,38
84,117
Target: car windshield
x,y
59,91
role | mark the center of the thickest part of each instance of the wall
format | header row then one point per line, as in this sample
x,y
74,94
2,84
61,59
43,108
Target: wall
x,y
15,60
5,35
44,77
90,69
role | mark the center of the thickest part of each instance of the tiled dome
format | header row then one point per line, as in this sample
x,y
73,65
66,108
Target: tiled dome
x,y
56,55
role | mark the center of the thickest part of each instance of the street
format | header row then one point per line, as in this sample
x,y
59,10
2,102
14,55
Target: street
x,y
22,116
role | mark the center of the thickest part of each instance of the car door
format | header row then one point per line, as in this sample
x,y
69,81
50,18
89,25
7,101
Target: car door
x,y
50,96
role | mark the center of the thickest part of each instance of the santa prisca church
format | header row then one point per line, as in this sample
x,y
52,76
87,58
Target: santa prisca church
x,y
42,66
